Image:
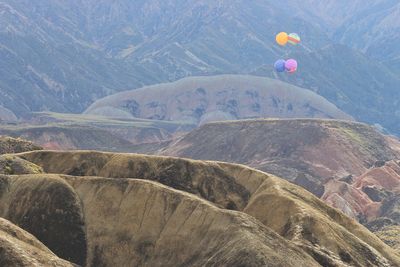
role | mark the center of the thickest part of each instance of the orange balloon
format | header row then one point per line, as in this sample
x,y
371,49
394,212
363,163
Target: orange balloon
x,y
282,38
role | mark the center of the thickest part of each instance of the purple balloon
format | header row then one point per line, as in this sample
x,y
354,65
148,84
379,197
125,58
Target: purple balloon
x,y
280,65
291,65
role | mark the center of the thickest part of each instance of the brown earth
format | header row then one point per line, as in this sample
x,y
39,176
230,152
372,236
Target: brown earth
x,y
328,236
140,223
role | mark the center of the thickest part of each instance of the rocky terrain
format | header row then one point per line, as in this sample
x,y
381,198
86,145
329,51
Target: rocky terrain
x,y
227,97
214,214
374,197
15,145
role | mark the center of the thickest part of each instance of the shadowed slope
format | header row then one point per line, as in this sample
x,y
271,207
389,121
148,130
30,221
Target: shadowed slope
x,y
50,210
19,248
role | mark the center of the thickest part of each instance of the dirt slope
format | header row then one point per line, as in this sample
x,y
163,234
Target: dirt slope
x,y
330,237
140,223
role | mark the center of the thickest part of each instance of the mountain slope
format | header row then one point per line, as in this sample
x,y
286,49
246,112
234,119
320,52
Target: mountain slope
x,y
61,56
152,226
224,97
19,248
304,151
370,26
292,212
341,162
355,83
45,67
7,115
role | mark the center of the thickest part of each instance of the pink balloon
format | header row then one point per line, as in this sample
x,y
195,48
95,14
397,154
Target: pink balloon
x,y
291,65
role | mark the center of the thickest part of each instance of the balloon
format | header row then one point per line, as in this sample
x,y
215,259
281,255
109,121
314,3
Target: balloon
x,y
282,38
280,65
291,65
293,38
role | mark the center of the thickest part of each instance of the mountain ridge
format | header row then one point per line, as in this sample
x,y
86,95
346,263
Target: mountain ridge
x,y
194,177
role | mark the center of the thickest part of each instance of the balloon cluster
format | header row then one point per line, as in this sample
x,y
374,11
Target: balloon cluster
x,y
289,65
283,38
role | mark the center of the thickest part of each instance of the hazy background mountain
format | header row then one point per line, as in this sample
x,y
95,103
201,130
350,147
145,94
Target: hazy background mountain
x,y
62,56
371,26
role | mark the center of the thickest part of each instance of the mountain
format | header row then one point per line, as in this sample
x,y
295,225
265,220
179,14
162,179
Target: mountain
x,y
138,219
198,100
377,30
161,227
62,56
355,83
350,166
369,26
305,151
46,65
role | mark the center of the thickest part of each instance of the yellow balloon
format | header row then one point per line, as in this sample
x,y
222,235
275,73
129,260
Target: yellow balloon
x,y
282,38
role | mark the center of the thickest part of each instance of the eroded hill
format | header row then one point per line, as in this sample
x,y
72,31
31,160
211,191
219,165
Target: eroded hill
x,y
217,98
307,152
114,207
347,164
